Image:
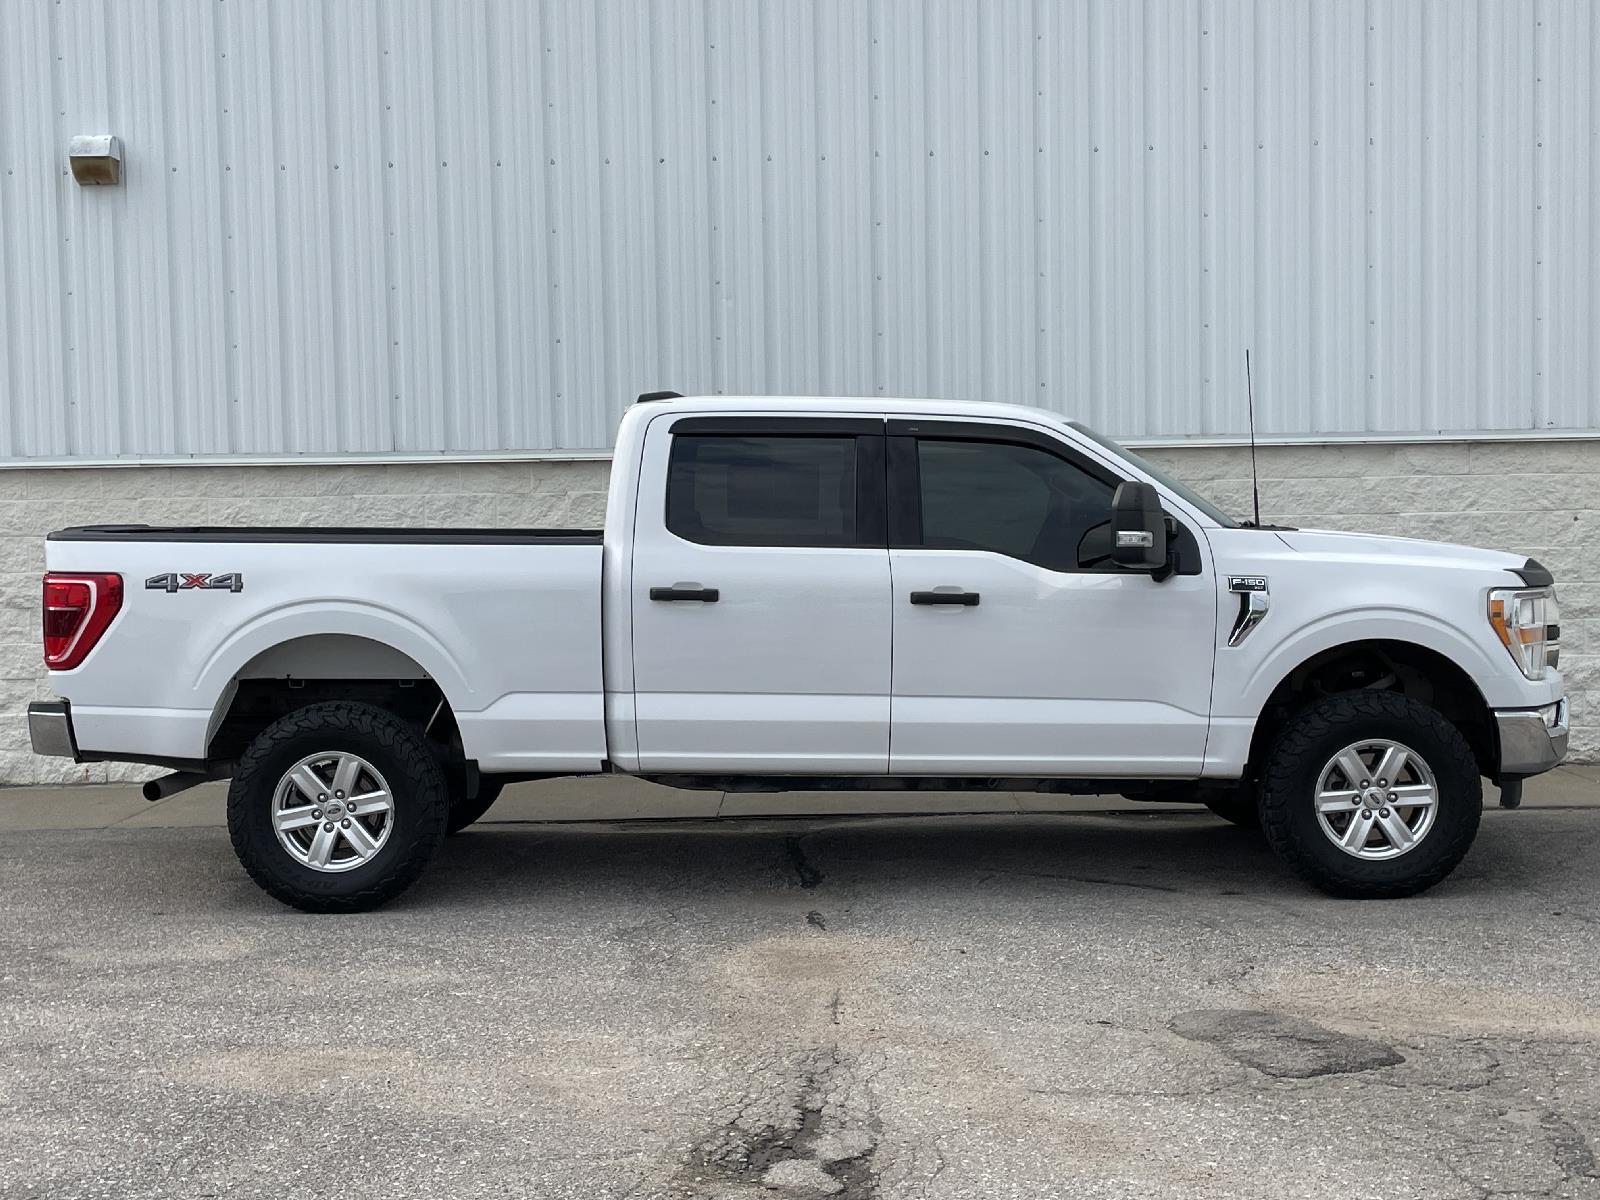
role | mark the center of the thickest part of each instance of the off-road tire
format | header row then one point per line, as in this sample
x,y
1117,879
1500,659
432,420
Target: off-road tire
x,y
1304,747
1239,804
464,812
419,795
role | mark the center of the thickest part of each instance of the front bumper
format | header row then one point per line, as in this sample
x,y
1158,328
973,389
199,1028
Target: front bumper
x,y
50,729
1532,740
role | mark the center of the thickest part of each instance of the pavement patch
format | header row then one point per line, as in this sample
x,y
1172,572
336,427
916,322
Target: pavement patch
x,y
1281,1046
1571,1150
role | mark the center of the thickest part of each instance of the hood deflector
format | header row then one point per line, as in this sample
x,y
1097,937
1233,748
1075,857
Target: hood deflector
x,y
1534,574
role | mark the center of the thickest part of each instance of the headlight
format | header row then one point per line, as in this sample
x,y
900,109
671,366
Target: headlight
x,y
1525,620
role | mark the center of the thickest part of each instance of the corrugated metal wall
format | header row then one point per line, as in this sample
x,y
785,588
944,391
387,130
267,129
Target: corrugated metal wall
x,y
465,226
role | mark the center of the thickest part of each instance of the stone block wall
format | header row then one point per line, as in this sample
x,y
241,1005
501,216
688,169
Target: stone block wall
x,y
1532,497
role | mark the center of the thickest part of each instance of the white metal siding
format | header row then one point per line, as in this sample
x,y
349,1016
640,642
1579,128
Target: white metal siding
x,y
401,226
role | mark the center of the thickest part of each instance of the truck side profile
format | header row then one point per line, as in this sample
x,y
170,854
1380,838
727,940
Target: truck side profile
x,y
801,593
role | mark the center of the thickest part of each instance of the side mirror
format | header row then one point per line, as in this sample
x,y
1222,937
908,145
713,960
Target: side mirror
x,y
1138,528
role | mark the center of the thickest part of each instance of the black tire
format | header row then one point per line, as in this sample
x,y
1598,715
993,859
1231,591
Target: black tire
x,y
464,812
416,783
1239,805
1308,743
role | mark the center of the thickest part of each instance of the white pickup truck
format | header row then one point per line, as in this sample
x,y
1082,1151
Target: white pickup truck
x,y
799,594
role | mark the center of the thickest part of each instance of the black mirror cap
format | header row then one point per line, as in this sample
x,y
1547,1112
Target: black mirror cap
x,y
1138,527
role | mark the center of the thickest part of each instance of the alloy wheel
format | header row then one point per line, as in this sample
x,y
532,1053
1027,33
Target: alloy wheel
x,y
332,811
1376,799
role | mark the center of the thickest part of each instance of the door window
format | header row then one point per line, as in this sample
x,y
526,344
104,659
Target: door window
x,y
1016,500
763,491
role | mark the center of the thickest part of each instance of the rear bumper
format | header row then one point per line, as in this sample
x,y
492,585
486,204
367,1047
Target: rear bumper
x,y
50,729
1532,740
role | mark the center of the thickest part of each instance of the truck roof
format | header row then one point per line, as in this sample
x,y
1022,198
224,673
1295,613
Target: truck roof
x,y
902,405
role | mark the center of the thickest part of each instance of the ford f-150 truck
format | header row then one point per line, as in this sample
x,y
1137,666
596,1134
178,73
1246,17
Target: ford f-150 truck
x,y
814,593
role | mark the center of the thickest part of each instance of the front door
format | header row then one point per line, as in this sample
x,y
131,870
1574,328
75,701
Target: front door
x,y
760,596
1017,649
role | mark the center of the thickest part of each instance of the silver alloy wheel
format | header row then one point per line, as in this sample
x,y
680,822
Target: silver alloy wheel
x,y
332,811
1376,799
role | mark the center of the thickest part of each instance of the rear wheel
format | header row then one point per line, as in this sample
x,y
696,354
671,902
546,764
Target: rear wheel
x,y
465,811
1371,794
337,807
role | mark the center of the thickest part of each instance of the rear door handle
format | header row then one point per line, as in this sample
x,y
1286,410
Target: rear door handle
x,y
685,592
966,599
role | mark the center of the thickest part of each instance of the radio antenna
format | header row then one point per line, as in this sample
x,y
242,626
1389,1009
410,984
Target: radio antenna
x,y
1250,397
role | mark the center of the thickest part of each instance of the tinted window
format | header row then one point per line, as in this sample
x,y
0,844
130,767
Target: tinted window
x,y
1015,500
763,491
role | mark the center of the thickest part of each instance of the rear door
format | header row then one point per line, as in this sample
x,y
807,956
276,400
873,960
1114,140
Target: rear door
x,y
760,596
1018,649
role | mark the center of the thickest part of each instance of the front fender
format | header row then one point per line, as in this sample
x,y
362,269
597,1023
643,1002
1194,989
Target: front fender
x,y
1257,678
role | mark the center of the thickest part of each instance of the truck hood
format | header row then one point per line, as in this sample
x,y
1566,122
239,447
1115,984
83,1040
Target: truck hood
x,y
1331,544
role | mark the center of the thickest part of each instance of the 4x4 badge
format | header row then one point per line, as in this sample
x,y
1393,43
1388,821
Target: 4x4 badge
x,y
183,581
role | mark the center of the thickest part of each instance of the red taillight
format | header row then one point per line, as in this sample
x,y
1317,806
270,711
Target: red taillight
x,y
77,609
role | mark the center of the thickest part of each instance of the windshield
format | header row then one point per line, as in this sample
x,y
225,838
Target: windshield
x,y
1189,495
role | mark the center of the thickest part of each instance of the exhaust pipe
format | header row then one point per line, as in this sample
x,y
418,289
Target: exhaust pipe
x,y
178,781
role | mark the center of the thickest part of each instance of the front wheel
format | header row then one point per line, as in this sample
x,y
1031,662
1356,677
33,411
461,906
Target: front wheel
x,y
337,807
1371,795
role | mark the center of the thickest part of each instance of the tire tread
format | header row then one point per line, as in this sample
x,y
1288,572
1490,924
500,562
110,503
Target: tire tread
x,y
422,776
1298,740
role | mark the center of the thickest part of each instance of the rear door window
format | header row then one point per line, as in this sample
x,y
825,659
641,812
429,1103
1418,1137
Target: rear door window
x,y
764,490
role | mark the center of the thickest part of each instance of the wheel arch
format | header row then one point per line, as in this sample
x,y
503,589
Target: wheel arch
x,y
308,668
1420,672
355,621
327,639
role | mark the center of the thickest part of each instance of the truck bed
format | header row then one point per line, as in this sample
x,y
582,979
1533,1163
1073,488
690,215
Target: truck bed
x,y
505,621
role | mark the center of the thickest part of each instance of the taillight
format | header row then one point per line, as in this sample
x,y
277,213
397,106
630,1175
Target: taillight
x,y
77,610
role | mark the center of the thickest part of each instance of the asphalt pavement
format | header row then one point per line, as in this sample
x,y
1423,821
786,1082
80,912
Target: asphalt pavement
x,y
1121,1001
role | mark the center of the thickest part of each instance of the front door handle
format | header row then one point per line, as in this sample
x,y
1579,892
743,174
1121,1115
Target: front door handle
x,y
966,599
685,591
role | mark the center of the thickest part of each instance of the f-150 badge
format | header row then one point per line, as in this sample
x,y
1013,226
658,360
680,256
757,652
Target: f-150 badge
x,y
183,581
1253,605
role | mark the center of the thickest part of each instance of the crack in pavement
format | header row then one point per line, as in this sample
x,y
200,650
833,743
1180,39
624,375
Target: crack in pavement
x,y
1508,1148
816,1137
805,873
